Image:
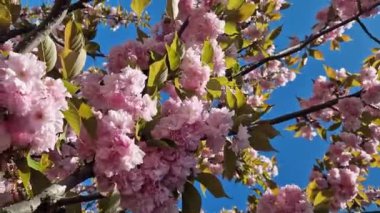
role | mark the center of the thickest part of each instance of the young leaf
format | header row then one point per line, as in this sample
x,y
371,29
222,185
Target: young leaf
x,y
330,72
72,62
72,117
73,36
234,4
47,53
207,53
158,73
230,98
212,184
138,6
172,8
316,54
191,200
229,163
109,204
5,18
246,11
174,53
276,32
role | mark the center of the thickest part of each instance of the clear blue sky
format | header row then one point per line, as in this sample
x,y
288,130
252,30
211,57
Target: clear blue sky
x,y
296,156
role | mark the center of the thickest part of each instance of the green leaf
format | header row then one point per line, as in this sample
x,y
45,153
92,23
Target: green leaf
x,y
234,4
38,181
240,98
141,34
72,62
47,53
230,62
322,199
5,18
246,11
73,36
330,72
214,88
275,33
72,117
138,6
174,53
191,200
260,136
158,74
92,48
109,204
71,88
316,54
212,184
24,175
230,28
85,111
230,98
229,163
90,125
335,126
33,163
207,54
172,8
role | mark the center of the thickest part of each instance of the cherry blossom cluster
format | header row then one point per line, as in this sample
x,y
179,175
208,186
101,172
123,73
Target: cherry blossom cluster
x,y
290,198
31,105
341,10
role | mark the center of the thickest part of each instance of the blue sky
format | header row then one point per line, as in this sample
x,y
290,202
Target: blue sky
x,y
296,156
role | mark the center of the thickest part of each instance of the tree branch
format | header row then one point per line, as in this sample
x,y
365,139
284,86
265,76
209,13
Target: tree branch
x,y
78,199
307,111
293,49
16,32
56,16
365,29
52,193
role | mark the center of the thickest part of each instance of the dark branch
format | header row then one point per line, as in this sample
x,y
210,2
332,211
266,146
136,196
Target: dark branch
x,y
250,67
365,29
78,199
56,16
51,194
78,5
307,111
16,32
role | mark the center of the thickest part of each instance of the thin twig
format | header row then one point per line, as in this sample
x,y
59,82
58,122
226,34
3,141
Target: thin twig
x,y
307,111
296,48
365,29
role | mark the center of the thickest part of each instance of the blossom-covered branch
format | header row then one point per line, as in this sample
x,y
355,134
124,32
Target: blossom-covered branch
x,y
54,192
307,111
293,49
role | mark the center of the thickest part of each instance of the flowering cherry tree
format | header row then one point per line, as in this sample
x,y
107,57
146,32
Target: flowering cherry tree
x,y
181,104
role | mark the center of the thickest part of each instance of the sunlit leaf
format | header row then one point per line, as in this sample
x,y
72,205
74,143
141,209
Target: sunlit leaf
x,y
72,62
138,6
172,8
47,52
73,36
